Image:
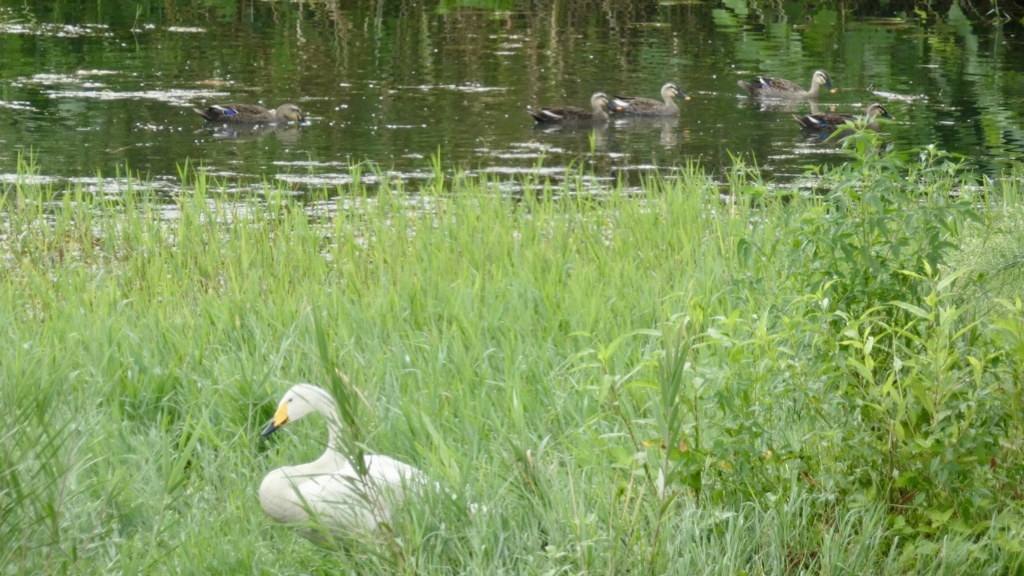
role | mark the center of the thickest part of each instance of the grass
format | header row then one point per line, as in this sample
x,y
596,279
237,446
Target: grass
x,y
652,383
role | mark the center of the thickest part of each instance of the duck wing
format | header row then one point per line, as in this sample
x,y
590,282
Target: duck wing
x,y
777,84
561,114
345,501
235,113
634,103
824,121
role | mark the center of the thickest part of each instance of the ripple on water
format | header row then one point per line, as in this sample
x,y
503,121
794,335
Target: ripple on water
x,y
186,29
85,87
176,96
468,88
93,185
15,105
174,29
49,79
334,180
55,30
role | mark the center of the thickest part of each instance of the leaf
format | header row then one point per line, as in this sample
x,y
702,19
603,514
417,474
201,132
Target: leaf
x,y
915,310
939,518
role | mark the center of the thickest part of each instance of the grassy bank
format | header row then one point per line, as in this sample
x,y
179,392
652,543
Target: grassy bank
x,y
657,383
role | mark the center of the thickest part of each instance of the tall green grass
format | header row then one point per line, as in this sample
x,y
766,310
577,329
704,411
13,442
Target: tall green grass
x,y
689,379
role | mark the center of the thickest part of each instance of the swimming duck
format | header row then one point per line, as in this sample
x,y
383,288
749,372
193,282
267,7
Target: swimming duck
x,y
633,106
566,114
330,488
828,122
766,87
250,114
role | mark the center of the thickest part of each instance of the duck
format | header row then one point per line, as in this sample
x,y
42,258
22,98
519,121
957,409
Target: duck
x,y
568,114
828,122
250,114
766,87
330,489
634,106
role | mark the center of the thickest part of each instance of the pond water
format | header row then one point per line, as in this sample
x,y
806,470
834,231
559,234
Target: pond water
x,y
87,88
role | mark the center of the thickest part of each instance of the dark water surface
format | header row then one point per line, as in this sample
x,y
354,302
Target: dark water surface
x,y
89,87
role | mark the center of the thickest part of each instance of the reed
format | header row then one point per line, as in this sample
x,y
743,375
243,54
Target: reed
x,y
685,379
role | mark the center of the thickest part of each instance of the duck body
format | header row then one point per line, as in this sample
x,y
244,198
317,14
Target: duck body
x,y
767,87
250,114
330,489
572,114
636,106
829,122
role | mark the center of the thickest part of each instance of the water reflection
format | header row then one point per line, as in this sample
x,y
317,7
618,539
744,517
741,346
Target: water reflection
x,y
788,106
668,130
396,82
284,133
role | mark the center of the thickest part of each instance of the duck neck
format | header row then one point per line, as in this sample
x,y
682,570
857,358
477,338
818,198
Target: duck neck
x,y
334,436
670,103
330,414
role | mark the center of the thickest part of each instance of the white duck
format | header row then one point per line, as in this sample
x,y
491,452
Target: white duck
x,y
330,488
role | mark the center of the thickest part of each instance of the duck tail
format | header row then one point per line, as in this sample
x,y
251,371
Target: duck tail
x,y
809,122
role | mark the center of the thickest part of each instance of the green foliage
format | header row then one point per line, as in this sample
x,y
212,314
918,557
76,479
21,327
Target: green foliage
x,y
993,250
883,215
911,362
662,382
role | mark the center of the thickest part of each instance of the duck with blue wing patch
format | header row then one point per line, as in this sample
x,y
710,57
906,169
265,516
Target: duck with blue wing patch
x,y
250,114
828,122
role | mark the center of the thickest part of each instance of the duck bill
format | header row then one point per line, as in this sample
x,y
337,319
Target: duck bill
x,y
270,429
280,419
832,90
684,96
